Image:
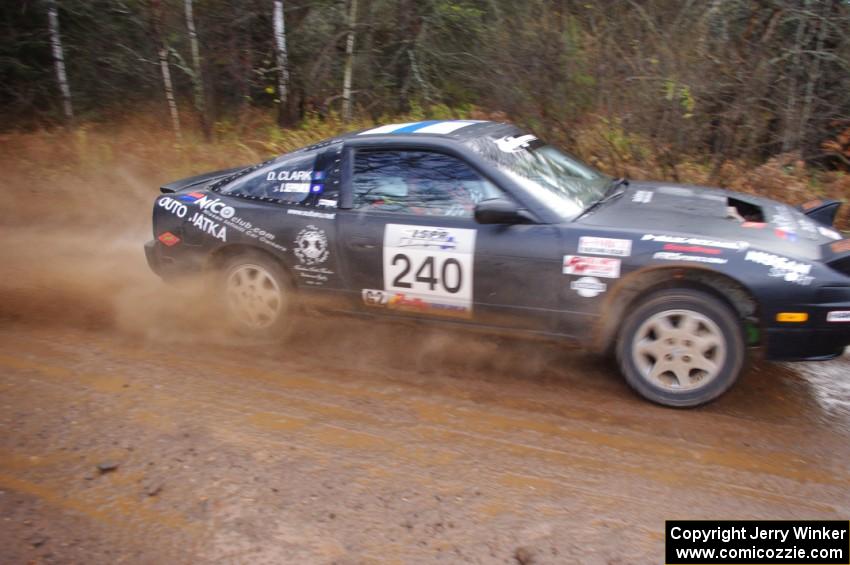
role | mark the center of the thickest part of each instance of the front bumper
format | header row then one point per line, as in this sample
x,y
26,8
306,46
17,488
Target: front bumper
x,y
821,337
807,344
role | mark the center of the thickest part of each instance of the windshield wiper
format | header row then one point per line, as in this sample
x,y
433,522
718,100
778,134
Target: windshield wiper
x,y
611,192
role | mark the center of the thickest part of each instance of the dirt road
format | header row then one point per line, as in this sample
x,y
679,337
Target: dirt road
x,y
357,444
351,443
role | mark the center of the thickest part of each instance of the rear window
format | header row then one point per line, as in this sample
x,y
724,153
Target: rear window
x,y
286,180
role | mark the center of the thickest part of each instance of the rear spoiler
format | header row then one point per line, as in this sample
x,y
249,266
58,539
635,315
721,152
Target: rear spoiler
x,y
204,179
821,211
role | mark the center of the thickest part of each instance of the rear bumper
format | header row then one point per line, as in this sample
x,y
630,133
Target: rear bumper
x,y
160,263
153,257
174,263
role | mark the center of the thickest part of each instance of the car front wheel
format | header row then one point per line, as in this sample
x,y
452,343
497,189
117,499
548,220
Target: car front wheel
x,y
681,347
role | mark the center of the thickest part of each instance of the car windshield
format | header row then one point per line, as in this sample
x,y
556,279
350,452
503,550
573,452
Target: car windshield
x,y
559,180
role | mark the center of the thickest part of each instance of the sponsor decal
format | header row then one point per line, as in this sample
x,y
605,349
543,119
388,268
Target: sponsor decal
x,y
314,275
311,246
431,265
642,197
311,214
734,245
811,204
605,246
401,301
807,225
841,316
170,204
375,297
672,256
168,239
511,144
272,243
781,267
785,234
692,249
215,206
291,181
830,233
405,302
588,287
690,192
255,232
208,226
840,246
327,202
295,176
592,266
676,190
755,225
191,197
293,187
783,220
424,238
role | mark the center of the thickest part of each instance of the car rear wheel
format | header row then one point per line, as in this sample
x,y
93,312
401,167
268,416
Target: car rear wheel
x,y
257,294
681,347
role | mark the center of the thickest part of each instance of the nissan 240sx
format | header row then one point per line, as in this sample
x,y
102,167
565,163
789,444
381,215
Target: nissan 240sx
x,y
482,224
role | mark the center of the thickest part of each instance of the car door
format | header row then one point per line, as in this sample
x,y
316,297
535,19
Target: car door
x,y
411,245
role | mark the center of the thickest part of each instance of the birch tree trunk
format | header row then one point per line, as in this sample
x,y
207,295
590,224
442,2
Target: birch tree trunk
x,y
169,93
282,64
349,62
197,75
59,60
166,71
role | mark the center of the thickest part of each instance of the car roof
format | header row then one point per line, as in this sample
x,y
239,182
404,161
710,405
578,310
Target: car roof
x,y
458,129
462,131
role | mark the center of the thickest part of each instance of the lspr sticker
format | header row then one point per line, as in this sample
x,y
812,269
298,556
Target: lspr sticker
x,y
605,246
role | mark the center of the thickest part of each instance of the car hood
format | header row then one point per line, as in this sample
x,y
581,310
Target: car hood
x,y
695,211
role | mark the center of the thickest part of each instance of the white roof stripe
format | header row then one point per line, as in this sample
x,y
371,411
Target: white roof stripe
x,y
389,128
444,127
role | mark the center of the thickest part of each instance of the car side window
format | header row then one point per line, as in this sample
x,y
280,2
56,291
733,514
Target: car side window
x,y
417,182
285,180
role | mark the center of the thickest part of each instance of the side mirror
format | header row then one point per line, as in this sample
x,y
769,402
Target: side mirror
x,y
501,211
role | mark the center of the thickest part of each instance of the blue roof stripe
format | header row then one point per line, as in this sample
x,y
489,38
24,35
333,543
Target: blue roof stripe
x,y
413,127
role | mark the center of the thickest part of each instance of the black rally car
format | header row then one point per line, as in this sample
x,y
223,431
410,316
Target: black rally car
x,y
482,224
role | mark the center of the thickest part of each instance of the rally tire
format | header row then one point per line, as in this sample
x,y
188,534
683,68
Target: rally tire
x,y
257,294
681,347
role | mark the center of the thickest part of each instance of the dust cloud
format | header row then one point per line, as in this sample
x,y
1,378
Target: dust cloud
x,y
72,255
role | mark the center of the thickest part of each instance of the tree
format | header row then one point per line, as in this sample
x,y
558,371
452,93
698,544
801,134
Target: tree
x,y
59,60
166,71
349,61
283,114
197,74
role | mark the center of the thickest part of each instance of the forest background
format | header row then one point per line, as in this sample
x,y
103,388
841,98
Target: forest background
x,y
753,95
